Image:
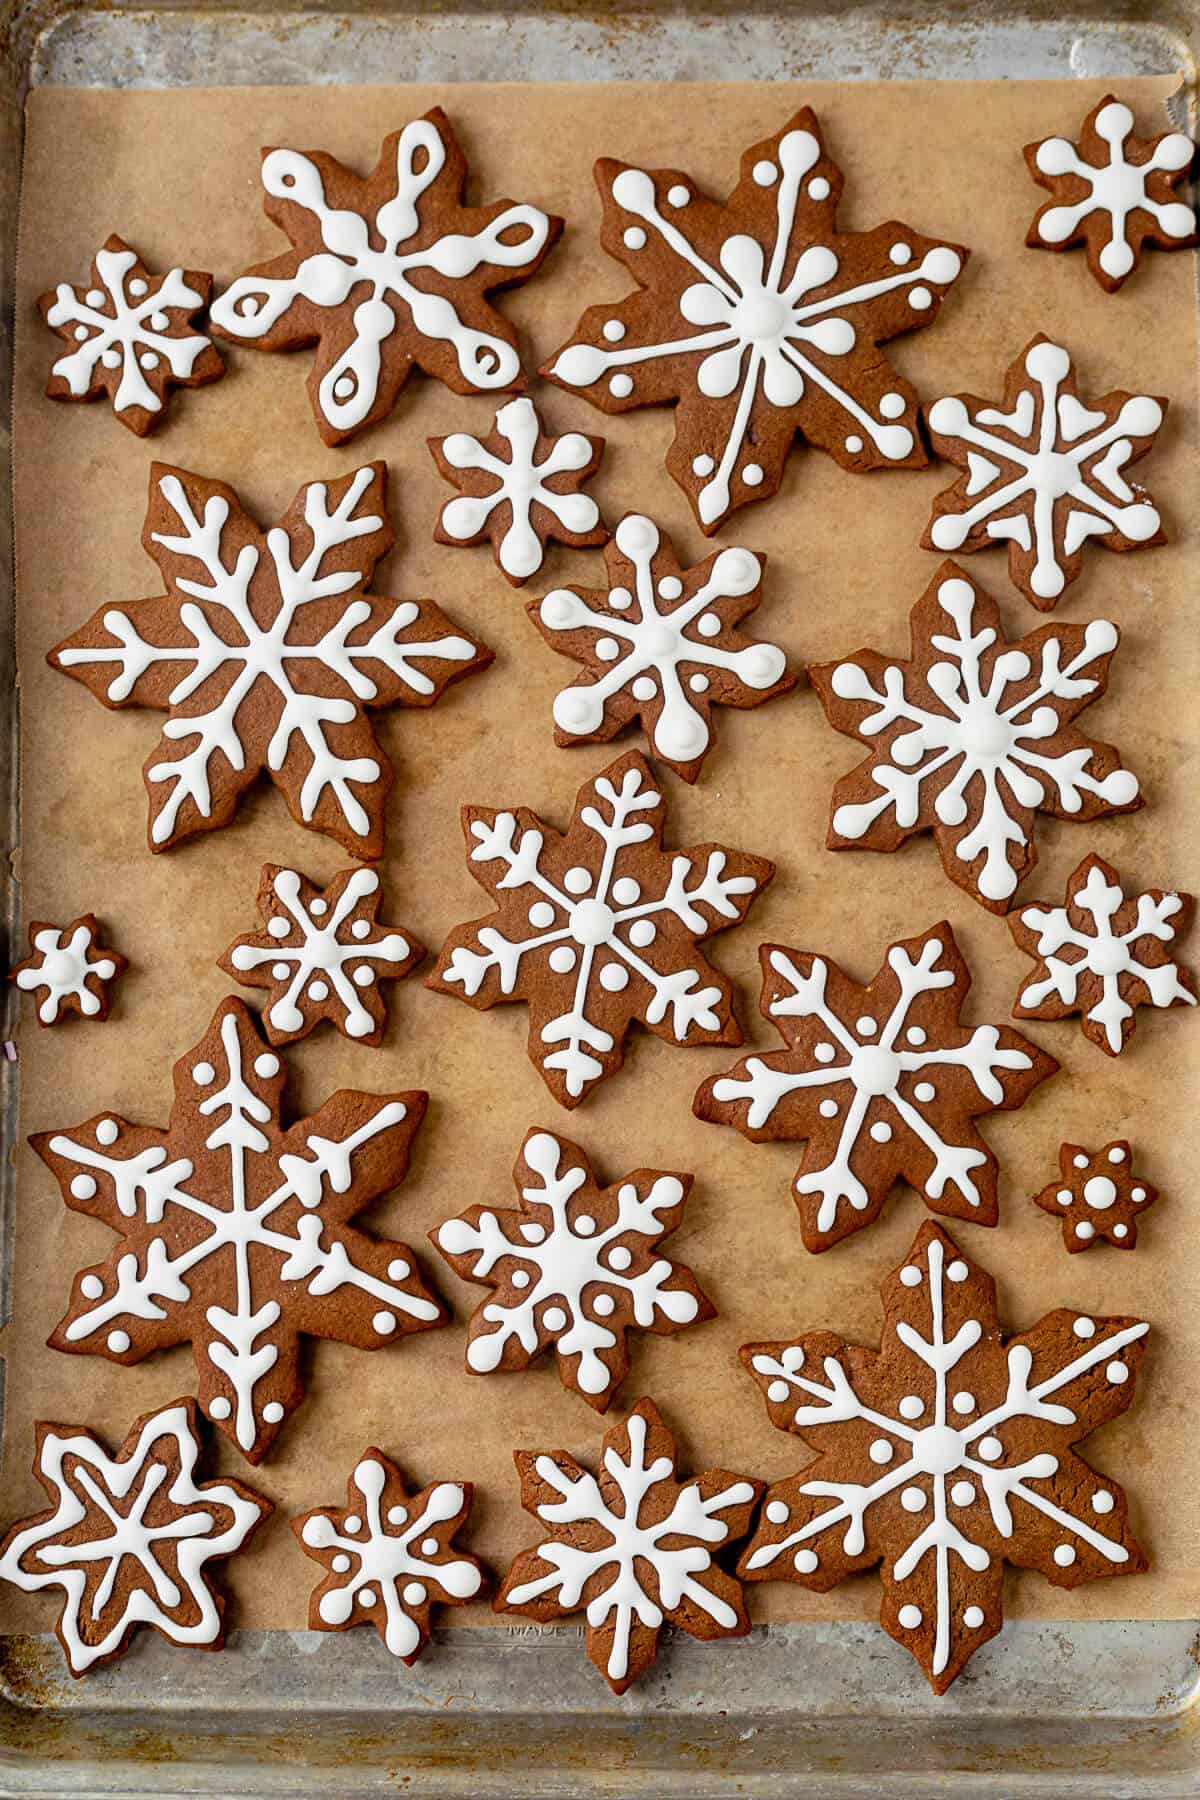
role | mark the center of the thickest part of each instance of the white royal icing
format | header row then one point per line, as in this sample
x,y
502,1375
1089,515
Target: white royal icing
x,y
521,482
131,337
1117,188
63,971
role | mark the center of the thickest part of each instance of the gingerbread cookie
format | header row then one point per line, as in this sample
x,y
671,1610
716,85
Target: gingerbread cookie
x,y
1097,1196
599,926
384,273
972,737
71,969
634,1546
130,1538
265,651
884,1082
945,1454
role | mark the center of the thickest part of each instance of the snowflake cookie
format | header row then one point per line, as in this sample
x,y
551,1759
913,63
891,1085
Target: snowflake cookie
x,y
70,969
131,336
265,651
574,1267
1102,955
384,273
1044,472
322,954
884,1082
235,1235
599,926
130,1538
945,1454
1097,1196
972,737
633,1547
519,489
760,318
660,647
389,1555
1113,192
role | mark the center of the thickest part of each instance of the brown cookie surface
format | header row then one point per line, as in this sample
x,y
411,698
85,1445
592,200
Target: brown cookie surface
x,y
1097,1196
70,970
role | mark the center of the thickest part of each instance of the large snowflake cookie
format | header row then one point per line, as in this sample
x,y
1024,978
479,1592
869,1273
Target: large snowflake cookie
x,y
1044,472
389,1555
384,273
130,1538
634,1548
1102,955
946,1454
760,318
235,1235
70,970
599,926
265,651
884,1082
1097,1196
660,647
575,1267
131,336
972,737
1112,192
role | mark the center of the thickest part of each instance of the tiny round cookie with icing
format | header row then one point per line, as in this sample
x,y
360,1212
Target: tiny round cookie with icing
x,y
1097,1196
70,970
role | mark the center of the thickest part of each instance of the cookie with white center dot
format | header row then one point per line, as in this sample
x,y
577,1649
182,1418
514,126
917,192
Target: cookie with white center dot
x,y
1098,1196
69,970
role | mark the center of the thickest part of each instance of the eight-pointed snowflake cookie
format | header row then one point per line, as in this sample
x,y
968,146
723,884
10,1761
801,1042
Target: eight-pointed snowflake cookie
x,y
70,970
884,1082
972,737
634,1547
575,1267
945,1454
660,647
760,318
389,1555
1044,472
131,336
265,651
130,1538
1097,1196
1113,192
322,954
1102,955
235,1235
599,926
385,273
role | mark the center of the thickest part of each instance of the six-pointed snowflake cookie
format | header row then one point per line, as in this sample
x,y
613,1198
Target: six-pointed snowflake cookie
x,y
972,737
634,1548
884,1082
384,273
131,336
1113,192
599,926
235,1235
1097,1196
760,318
661,646
322,954
1102,955
265,651
1044,472
70,970
574,1267
945,1454
130,1538
389,1555
519,489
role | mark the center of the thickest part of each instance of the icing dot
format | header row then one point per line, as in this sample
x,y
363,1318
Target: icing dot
x,y
1085,1231
698,683
414,1594
319,908
920,298
1064,1555
107,1131
866,1026
645,688
1120,1231
318,990
340,1563
554,1318
219,1408
1065,1196
367,1597
881,1132
910,1617
111,359
607,649
670,587
915,1035
614,331
562,959
708,625
752,474
804,1562
957,1270
619,1257
626,891
279,928
148,359
973,1618
818,188
272,1412
910,1276
925,1092
824,1053
621,386
1102,1502
585,1224
778,1512
397,1515
1116,1154
266,1065
990,1448
620,598
881,1451
91,1287
384,1323
614,978
1081,1162
703,465
777,1390
603,1305
911,1407
159,321
280,971
643,933
138,287
962,1493
900,254
678,195
1137,1194
854,443
765,173
520,1278
963,1402
352,1525
202,1075
94,297
1117,1373
83,1186
397,1269
577,880
828,1109
633,237
81,332
1084,1328
541,914
912,1499
364,975
343,388
361,929
891,406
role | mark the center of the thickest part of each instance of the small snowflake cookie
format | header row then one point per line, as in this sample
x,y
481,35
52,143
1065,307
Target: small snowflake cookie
x,y
635,1548
599,926
1097,1196
1102,955
389,1555
384,273
130,1538
1113,192
131,336
265,651
760,318
70,970
575,1267
883,1082
972,737
519,489
660,647
945,1454
1044,472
